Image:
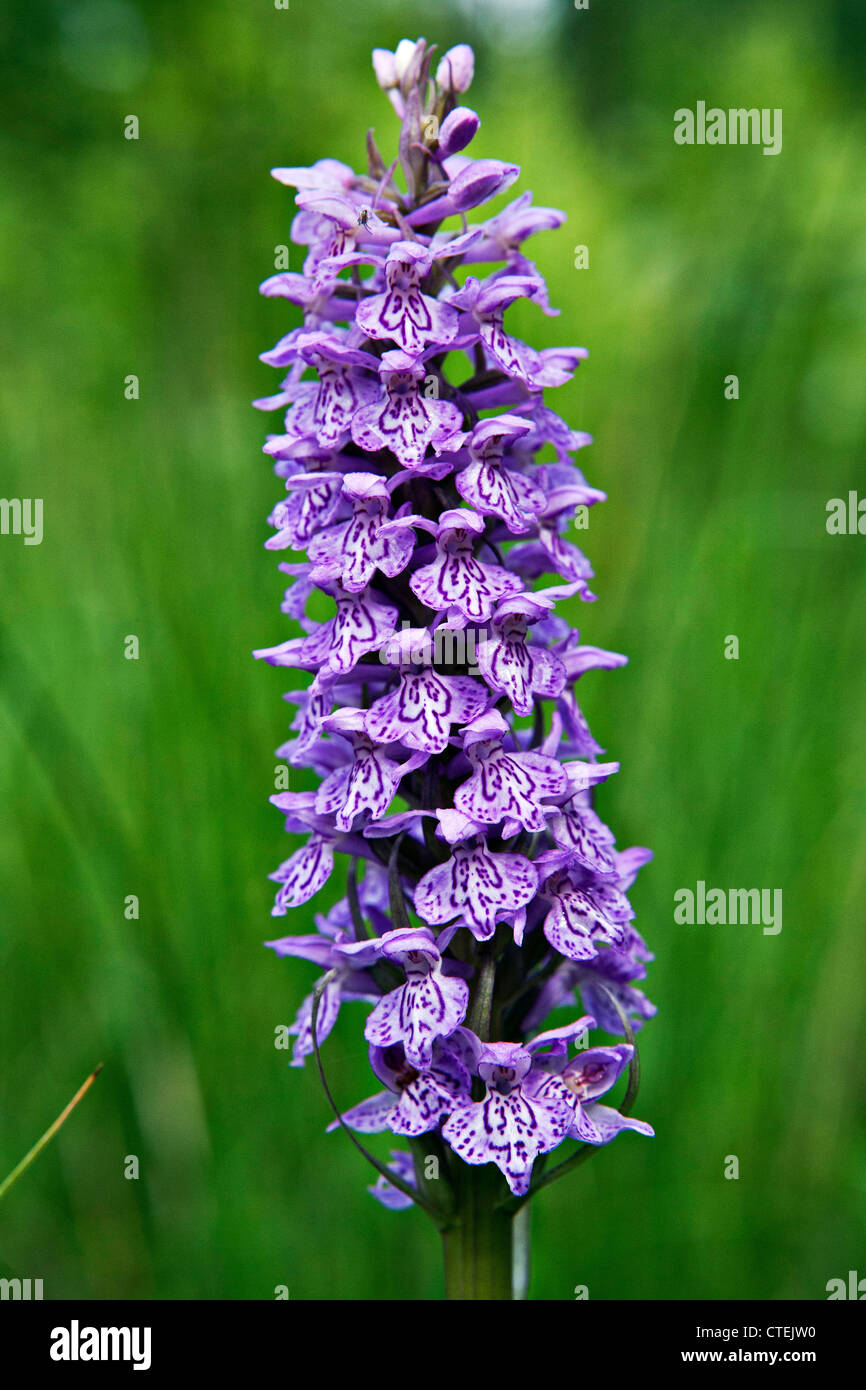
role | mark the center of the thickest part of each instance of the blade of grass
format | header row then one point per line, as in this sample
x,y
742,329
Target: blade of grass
x,y
49,1134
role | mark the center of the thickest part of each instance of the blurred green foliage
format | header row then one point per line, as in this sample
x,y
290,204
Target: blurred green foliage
x,y
151,777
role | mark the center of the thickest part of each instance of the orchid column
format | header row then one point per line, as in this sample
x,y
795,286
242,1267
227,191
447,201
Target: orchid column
x,y
483,892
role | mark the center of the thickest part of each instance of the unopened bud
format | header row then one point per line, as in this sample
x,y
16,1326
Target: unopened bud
x,y
457,130
456,70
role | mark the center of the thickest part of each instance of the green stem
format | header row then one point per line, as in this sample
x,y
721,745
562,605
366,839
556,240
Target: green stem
x,y
481,1006
520,1259
477,1245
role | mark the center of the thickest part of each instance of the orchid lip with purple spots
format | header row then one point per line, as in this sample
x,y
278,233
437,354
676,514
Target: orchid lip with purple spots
x,y
434,576
430,1005
526,1111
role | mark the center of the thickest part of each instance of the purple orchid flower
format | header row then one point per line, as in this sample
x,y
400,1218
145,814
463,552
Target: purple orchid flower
x,y
579,917
429,1006
514,667
525,1112
505,233
416,1099
316,497
506,786
588,1075
354,550
438,716
342,389
403,314
457,581
369,783
307,870
403,419
424,707
477,884
494,489
362,623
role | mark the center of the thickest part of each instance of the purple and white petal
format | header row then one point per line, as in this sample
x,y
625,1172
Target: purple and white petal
x,y
429,1006
301,876
385,1192
478,885
423,709
511,1129
302,1028
609,1123
371,1116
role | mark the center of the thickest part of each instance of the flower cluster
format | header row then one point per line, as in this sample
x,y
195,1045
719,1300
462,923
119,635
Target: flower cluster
x,y
492,892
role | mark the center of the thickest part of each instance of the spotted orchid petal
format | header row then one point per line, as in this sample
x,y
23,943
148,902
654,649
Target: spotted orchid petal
x,y
478,885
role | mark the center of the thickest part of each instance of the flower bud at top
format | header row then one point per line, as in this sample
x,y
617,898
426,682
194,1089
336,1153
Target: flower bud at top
x,y
404,56
398,72
456,70
385,68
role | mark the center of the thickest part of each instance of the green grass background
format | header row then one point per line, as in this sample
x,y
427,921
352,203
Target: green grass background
x,y
152,777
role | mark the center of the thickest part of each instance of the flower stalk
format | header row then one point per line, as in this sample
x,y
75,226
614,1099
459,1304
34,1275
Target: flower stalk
x,y
478,1248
